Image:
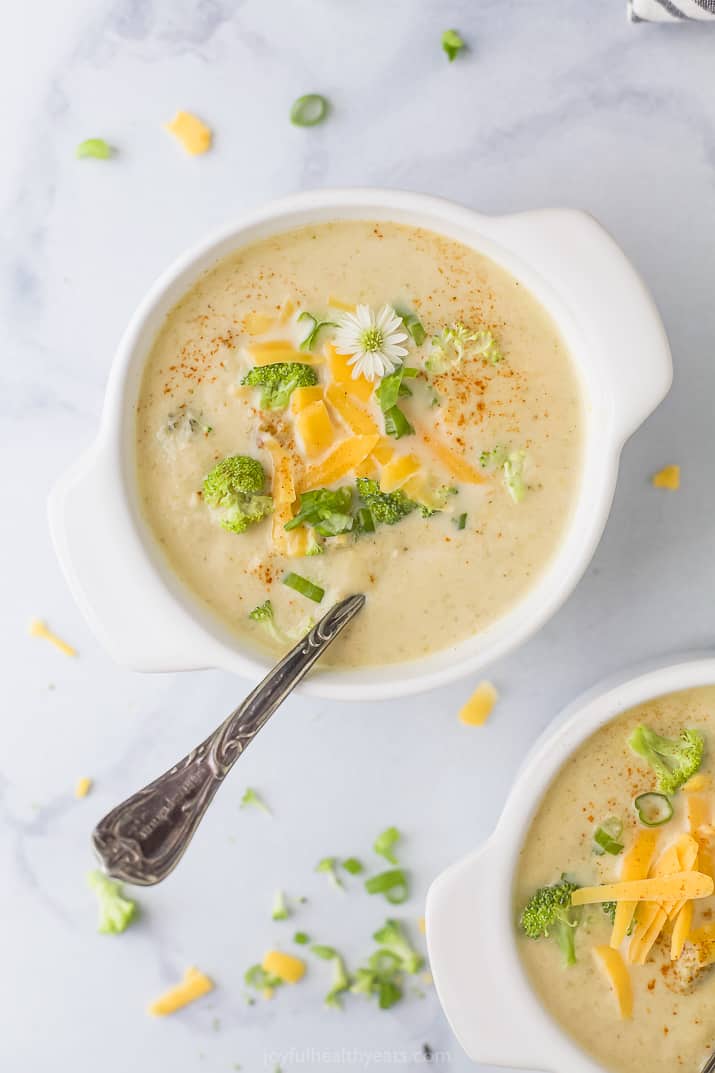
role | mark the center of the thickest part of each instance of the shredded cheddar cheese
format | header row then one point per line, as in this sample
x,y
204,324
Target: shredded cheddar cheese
x,y
82,787
665,888
194,135
39,629
479,706
193,986
286,967
668,477
613,965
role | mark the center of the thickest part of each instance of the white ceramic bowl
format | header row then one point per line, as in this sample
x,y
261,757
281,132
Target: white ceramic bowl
x,y
149,621
471,937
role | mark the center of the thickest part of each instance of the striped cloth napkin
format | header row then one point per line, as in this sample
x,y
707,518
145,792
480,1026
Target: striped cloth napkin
x,y
670,10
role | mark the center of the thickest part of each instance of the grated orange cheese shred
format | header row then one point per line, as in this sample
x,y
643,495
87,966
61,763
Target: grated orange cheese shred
x,y
39,629
613,965
286,967
193,986
188,129
636,865
658,888
82,786
344,458
355,419
681,930
456,464
668,477
479,706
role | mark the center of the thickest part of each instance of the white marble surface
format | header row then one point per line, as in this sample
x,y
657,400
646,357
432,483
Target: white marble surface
x,y
558,103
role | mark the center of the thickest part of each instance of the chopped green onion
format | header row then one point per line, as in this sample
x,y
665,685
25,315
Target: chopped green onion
x,y
385,841
280,909
328,865
364,521
414,326
353,866
391,387
341,982
606,842
304,587
250,797
326,510
452,44
653,809
302,938
461,521
309,110
392,884
257,977
324,952
94,147
396,424
309,342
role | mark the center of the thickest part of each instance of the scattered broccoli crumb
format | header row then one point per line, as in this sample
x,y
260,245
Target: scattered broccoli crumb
x,y
301,938
115,911
452,44
251,797
328,865
353,866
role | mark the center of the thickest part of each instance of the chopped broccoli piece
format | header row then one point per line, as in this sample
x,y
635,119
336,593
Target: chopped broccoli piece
x,y
384,843
326,510
673,760
232,489
302,938
452,43
392,939
386,508
549,911
341,983
353,866
448,348
280,908
115,911
265,614
329,866
512,465
250,797
181,426
392,388
277,382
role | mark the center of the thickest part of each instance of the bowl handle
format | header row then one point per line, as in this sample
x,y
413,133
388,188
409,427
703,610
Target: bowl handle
x,y
609,302
476,971
109,573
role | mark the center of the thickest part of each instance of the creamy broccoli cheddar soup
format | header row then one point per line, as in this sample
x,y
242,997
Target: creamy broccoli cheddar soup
x,y
359,407
614,889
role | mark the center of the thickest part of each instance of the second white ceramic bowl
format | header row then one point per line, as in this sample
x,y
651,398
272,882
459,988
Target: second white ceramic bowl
x,y
149,621
497,1017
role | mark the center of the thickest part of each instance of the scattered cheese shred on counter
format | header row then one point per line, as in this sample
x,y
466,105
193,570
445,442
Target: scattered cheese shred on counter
x,y
39,629
479,706
194,135
193,986
668,477
82,787
286,967
612,964
422,926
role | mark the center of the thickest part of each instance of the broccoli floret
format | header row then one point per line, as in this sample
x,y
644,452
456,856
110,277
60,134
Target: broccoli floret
x,y
233,488
392,938
278,381
115,911
673,760
386,508
548,912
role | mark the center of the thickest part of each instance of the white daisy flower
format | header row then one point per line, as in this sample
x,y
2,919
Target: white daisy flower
x,y
373,341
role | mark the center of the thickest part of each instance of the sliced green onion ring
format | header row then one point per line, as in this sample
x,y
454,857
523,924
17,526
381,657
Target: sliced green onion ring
x,y
309,110
304,587
393,884
653,809
606,843
94,147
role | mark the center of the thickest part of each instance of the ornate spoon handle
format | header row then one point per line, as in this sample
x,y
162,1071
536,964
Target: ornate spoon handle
x,y
143,839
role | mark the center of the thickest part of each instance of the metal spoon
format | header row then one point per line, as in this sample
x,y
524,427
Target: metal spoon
x,y
709,1066
143,839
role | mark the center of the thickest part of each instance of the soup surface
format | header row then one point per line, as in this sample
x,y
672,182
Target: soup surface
x,y
667,960
457,459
